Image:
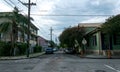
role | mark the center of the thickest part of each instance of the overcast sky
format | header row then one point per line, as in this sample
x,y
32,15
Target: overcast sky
x,y
60,14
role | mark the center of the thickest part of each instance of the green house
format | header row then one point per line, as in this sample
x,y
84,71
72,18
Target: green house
x,y
100,43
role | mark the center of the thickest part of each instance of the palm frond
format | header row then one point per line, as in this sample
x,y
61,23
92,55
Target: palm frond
x,y
5,27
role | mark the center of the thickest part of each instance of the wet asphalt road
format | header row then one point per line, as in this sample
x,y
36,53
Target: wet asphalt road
x,y
60,62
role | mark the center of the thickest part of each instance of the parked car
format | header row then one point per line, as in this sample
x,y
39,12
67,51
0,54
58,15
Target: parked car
x,y
49,50
69,51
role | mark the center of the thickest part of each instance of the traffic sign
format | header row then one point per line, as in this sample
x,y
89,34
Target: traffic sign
x,y
84,42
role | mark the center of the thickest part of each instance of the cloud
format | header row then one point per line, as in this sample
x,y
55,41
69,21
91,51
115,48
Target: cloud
x,y
78,7
95,20
45,22
57,33
95,2
4,8
98,7
116,10
66,7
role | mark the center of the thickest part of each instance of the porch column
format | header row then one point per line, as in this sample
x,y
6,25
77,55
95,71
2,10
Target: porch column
x,y
100,42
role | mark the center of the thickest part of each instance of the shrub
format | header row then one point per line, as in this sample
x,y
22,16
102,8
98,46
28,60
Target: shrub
x,y
5,49
37,49
22,48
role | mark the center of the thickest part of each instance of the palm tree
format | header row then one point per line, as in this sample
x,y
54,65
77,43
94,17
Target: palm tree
x,y
12,24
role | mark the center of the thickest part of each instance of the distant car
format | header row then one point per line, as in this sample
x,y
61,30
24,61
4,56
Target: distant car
x,y
69,51
54,49
49,50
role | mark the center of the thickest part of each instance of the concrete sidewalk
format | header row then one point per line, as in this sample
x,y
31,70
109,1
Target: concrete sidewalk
x,y
100,57
21,57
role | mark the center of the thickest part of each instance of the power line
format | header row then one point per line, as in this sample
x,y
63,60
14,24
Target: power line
x,y
13,4
41,30
68,15
62,10
22,3
16,5
43,33
9,4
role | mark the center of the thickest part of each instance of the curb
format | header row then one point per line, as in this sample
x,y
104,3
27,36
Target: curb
x,y
98,57
22,57
88,57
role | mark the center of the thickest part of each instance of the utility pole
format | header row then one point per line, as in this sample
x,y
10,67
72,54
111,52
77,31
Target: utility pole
x,y
28,40
51,35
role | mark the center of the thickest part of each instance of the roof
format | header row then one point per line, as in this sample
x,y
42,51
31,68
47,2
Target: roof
x,y
34,26
90,27
93,31
40,37
90,24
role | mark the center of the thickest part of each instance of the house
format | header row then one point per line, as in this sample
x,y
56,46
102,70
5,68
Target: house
x,y
22,34
42,42
99,42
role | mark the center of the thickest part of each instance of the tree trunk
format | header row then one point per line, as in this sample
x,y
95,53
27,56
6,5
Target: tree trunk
x,y
14,36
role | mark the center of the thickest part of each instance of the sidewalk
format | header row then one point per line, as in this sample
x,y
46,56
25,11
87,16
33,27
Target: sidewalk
x,y
21,57
100,57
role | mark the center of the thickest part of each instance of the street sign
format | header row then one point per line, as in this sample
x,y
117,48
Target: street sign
x,y
84,42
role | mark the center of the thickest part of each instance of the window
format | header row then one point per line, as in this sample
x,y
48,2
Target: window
x,y
94,41
19,33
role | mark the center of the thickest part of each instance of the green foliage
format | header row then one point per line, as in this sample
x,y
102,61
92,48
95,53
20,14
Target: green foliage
x,y
22,47
112,25
52,44
12,22
69,36
37,49
5,49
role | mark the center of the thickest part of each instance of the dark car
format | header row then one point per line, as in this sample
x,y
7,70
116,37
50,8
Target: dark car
x,y
49,50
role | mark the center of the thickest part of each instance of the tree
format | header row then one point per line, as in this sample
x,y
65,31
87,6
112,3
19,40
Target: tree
x,y
69,36
112,25
111,28
14,21
52,44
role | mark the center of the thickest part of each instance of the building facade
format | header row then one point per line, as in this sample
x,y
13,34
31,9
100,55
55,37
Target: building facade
x,y
100,43
42,42
21,31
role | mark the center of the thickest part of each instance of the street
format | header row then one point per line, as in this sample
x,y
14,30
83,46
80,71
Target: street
x,y
60,62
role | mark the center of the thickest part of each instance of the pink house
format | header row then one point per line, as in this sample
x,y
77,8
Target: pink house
x,y
42,42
